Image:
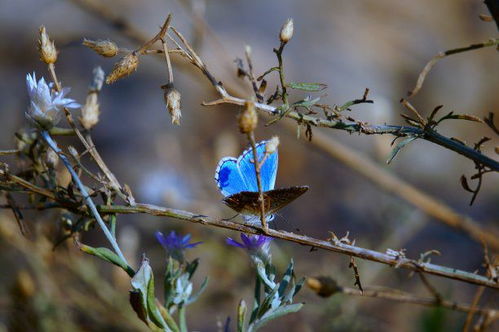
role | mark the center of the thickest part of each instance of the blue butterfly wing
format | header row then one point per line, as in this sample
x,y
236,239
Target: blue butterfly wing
x,y
268,171
229,178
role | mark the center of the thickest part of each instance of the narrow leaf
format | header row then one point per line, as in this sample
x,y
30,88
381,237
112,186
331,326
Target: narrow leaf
x,y
279,312
107,255
398,147
314,87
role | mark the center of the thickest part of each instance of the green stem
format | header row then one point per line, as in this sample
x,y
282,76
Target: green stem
x,y
182,319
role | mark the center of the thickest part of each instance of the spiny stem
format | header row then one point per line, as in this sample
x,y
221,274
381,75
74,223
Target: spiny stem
x,y
53,145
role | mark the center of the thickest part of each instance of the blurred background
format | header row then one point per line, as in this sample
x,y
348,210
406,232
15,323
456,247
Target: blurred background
x,y
350,46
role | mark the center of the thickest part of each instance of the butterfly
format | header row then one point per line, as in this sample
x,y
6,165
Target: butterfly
x,y
236,179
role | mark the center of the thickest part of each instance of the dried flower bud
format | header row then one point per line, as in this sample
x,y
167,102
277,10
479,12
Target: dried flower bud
x,y
286,31
105,48
46,47
248,119
51,159
323,286
90,112
172,100
127,65
247,50
272,145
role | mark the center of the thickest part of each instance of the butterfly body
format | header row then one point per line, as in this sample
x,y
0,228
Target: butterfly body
x,y
236,179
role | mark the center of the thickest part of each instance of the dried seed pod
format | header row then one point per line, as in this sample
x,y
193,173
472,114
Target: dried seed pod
x,y
323,286
286,31
248,119
46,47
105,48
272,145
172,100
127,65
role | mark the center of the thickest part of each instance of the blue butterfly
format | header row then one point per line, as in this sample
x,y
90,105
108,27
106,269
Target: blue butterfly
x,y
236,179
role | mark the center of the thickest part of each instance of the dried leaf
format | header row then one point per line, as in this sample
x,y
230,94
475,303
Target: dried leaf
x,y
464,184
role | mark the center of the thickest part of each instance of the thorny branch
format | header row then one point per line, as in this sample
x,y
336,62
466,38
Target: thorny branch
x,y
370,170
338,246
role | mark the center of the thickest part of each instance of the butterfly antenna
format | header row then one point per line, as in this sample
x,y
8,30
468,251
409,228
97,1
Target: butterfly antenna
x,y
229,219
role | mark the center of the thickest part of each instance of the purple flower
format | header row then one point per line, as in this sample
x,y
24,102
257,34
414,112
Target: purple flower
x,y
251,243
175,244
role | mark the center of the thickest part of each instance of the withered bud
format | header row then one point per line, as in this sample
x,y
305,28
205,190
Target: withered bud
x,y
172,100
323,286
247,50
51,159
90,112
248,119
286,31
127,65
105,48
46,47
272,145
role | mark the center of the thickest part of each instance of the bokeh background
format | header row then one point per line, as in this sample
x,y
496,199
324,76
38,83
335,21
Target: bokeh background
x,y
349,45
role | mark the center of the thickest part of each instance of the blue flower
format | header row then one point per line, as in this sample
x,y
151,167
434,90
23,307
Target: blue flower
x,y
252,243
175,244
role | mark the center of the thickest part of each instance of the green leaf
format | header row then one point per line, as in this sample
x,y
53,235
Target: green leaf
x,y
109,256
398,147
144,300
286,278
307,102
279,312
307,86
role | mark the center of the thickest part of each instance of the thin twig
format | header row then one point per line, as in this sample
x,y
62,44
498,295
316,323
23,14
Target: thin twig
x,y
474,304
256,162
409,298
441,55
8,152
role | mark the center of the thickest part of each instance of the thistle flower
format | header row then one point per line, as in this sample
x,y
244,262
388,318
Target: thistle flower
x,y
175,244
254,244
46,105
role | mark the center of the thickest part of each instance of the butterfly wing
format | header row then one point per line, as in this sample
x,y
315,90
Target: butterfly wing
x,y
229,178
268,170
246,202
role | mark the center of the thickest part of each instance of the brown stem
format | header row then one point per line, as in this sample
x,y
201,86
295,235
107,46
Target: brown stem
x,y
251,138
